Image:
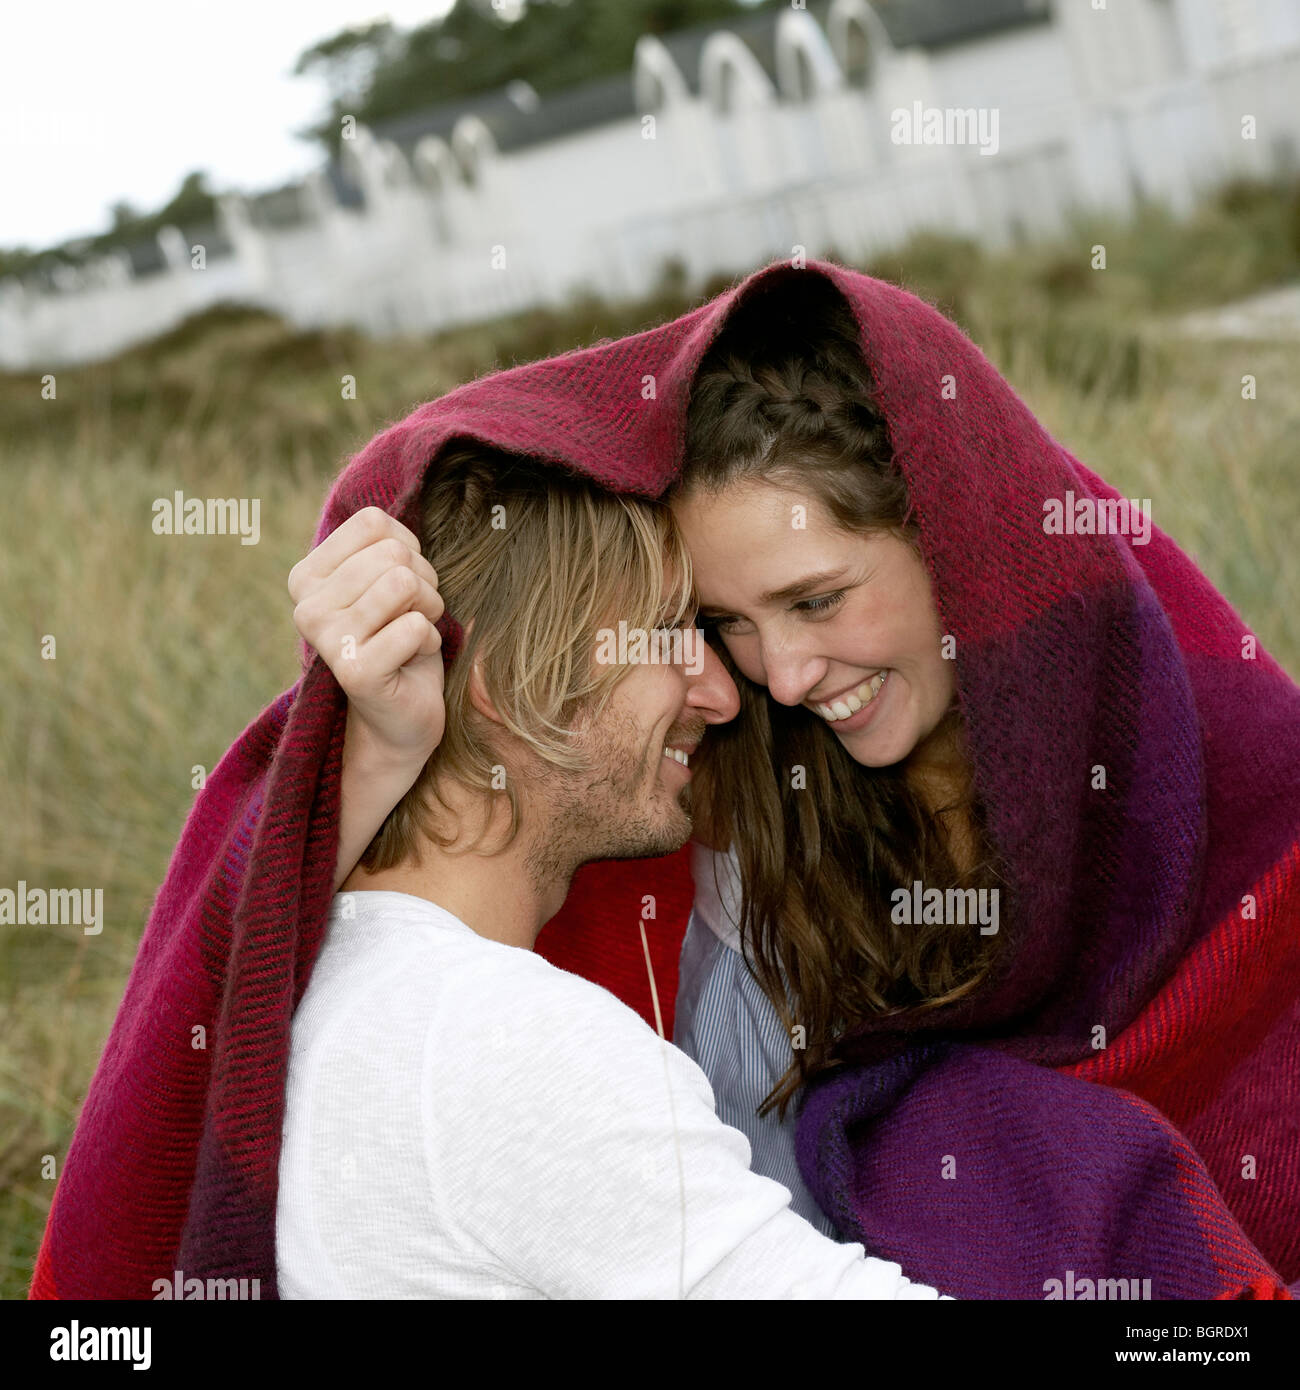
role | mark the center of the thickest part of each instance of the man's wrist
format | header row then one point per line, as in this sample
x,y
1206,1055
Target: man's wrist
x,y
375,777
366,751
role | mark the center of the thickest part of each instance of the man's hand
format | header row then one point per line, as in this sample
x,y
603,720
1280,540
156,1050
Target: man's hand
x,y
366,599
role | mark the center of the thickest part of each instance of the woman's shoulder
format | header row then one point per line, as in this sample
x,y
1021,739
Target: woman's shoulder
x,y
716,873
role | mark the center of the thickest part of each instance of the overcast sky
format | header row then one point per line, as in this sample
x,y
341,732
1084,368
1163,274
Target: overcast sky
x,y
108,100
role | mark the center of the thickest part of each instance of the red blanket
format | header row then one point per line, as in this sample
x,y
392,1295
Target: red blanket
x,y
1169,913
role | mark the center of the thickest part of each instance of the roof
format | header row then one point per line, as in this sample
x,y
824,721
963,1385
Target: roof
x,y
756,31
938,23
278,207
516,123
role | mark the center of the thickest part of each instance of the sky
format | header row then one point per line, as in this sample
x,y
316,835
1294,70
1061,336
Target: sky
x,y
109,100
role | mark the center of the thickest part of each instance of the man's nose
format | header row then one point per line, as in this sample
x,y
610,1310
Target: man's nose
x,y
712,692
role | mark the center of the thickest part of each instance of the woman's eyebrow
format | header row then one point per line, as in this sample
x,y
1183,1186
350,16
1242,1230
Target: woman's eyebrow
x,y
805,586
798,589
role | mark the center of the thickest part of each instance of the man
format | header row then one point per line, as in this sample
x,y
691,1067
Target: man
x,y
463,1119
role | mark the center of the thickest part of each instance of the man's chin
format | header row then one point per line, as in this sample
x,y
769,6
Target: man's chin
x,y
648,842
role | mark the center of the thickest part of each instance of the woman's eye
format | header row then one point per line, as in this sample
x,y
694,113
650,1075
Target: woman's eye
x,y
820,605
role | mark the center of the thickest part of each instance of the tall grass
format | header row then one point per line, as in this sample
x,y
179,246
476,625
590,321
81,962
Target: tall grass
x,y
168,646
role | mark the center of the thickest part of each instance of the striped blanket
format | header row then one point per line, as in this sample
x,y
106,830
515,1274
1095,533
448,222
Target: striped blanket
x,y
1122,1103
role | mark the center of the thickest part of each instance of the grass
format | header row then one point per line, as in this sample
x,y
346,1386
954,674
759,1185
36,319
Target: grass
x,y
166,650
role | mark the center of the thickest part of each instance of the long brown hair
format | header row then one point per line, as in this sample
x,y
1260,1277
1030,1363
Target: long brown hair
x,y
784,396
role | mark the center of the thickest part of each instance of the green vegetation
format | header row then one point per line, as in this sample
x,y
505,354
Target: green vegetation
x,y
193,205
377,72
166,650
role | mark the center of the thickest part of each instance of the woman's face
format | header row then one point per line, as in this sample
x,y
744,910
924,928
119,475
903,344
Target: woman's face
x,y
843,624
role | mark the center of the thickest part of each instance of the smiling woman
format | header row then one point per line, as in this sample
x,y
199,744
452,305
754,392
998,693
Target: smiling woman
x,y
961,891
809,572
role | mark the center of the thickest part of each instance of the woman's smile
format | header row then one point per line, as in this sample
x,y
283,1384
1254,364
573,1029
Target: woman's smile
x,y
848,702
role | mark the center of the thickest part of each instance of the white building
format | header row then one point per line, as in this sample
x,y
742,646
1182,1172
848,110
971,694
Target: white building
x,y
721,148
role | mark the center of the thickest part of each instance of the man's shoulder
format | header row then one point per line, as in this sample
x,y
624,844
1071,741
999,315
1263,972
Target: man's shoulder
x,y
531,986
427,954
512,1007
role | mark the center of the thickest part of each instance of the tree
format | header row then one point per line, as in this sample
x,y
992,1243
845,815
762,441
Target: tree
x,y
378,73
347,62
192,204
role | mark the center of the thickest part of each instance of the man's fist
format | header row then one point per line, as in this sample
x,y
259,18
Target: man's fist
x,y
367,600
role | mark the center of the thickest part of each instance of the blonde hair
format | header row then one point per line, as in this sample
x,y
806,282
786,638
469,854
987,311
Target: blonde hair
x,y
540,561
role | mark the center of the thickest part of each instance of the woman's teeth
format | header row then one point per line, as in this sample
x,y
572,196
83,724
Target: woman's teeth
x,y
854,700
683,758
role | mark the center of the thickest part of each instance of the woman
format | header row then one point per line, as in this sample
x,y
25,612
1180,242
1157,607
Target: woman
x,y
789,478
1059,721
1081,1079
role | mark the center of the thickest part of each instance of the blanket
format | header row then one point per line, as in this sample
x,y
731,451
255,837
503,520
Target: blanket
x,y
1121,1104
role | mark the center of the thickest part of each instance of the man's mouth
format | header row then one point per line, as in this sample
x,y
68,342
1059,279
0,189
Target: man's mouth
x,y
680,744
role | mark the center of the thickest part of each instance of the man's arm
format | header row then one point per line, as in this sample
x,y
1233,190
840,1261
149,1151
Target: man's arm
x,y
367,600
375,778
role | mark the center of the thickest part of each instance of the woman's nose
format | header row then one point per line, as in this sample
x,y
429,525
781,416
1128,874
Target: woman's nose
x,y
790,673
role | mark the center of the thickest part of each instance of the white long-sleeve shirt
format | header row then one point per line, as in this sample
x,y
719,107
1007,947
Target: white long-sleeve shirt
x,y
465,1120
